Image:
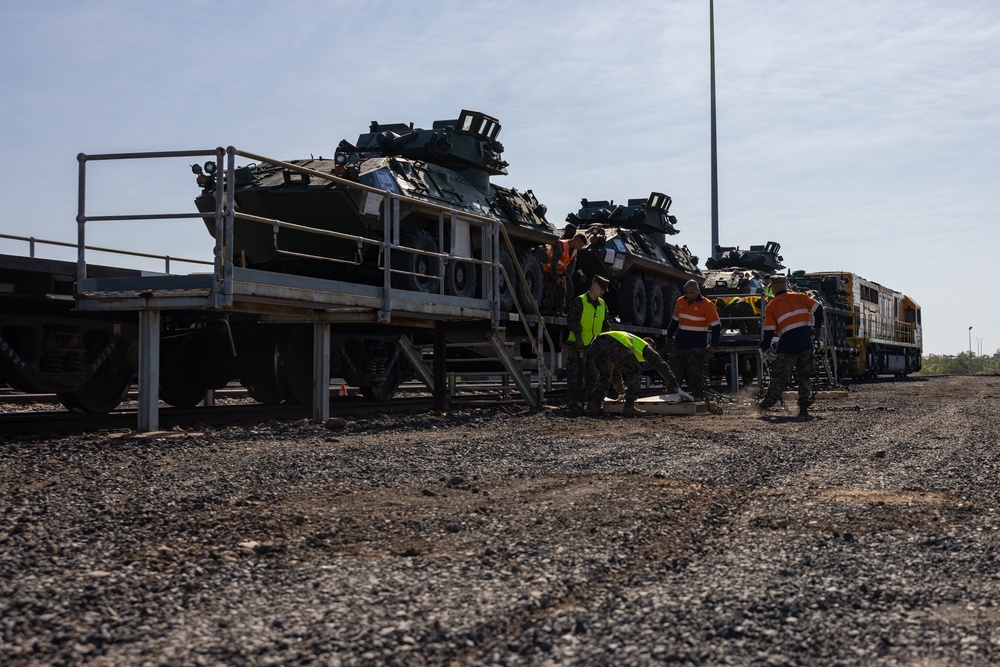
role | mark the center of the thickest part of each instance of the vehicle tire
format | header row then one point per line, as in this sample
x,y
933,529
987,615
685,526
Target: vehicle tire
x,y
654,304
507,289
632,300
533,286
460,279
670,295
413,263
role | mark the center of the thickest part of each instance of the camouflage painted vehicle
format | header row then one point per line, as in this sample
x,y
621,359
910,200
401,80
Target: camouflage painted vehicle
x,y
449,164
734,278
629,247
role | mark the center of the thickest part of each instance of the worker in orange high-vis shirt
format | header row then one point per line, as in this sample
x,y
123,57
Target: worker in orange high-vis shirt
x,y
695,328
793,317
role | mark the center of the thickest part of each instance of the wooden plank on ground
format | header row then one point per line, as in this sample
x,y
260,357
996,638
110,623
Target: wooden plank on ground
x,y
655,405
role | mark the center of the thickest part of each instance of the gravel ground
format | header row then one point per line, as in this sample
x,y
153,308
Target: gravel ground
x,y
866,536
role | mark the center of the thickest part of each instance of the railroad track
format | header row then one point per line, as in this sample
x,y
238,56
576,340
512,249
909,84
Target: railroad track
x,y
63,421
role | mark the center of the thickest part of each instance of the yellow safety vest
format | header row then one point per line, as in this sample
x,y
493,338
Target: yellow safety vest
x,y
631,341
591,321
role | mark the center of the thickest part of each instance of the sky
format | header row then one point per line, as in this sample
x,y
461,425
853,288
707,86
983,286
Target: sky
x,y
862,135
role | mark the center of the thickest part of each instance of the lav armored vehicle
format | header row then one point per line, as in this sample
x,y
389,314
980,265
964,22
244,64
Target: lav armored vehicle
x,y
449,164
629,247
338,233
734,278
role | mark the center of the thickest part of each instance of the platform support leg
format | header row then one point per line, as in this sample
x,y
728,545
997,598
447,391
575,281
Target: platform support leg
x,y
149,370
439,369
321,372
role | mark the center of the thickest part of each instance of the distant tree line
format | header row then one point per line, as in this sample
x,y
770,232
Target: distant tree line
x,y
958,364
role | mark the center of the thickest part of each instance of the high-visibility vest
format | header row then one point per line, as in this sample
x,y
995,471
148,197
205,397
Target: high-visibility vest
x,y
564,261
592,320
631,341
789,310
698,315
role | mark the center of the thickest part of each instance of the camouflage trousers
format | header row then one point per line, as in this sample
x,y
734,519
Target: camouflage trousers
x,y
803,364
553,296
576,371
607,361
689,364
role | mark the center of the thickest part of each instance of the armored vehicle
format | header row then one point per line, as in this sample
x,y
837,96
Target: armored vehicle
x,y
628,245
449,164
734,278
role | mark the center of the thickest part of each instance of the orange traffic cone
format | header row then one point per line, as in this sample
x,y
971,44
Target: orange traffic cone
x,y
343,389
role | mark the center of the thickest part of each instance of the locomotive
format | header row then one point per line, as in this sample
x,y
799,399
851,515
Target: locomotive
x,y
879,326
628,245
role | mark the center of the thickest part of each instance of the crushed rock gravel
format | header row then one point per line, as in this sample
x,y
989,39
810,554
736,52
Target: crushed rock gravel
x,y
865,536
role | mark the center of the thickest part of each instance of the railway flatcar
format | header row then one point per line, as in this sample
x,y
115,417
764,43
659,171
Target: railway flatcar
x,y
88,360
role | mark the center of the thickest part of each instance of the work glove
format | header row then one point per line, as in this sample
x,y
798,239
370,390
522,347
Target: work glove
x,y
579,344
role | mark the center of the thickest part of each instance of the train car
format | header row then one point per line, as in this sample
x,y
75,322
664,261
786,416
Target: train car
x,y
883,327
46,346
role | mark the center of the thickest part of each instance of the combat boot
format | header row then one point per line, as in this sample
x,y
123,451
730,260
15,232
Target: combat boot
x,y
629,410
595,407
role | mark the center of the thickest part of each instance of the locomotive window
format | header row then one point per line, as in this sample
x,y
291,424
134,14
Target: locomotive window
x,y
869,294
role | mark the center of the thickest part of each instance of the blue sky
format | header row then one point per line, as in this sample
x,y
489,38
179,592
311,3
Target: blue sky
x,y
862,135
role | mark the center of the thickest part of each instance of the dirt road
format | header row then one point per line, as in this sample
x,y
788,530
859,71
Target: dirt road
x,y
866,536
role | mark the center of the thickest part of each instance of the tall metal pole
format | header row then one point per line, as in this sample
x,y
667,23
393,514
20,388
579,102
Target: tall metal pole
x,y
970,350
715,156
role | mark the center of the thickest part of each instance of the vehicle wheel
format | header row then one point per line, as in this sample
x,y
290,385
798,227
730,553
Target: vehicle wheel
x,y
258,365
654,304
263,388
506,290
294,364
632,300
182,386
395,366
412,263
460,279
670,295
103,392
533,286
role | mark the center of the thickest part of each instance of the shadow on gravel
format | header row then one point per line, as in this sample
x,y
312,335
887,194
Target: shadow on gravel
x,y
784,419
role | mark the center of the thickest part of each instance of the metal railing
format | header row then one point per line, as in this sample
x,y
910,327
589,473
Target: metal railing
x,y
225,215
166,259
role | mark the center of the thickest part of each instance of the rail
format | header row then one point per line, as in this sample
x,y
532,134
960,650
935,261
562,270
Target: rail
x,y
884,328
32,241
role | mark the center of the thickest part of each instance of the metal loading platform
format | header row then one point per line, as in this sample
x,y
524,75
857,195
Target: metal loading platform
x,y
268,297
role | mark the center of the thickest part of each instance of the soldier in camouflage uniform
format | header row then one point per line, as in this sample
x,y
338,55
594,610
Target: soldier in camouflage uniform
x,y
587,317
617,357
792,316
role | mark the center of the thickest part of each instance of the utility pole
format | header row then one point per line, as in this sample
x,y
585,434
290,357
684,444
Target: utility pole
x,y
715,156
970,350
